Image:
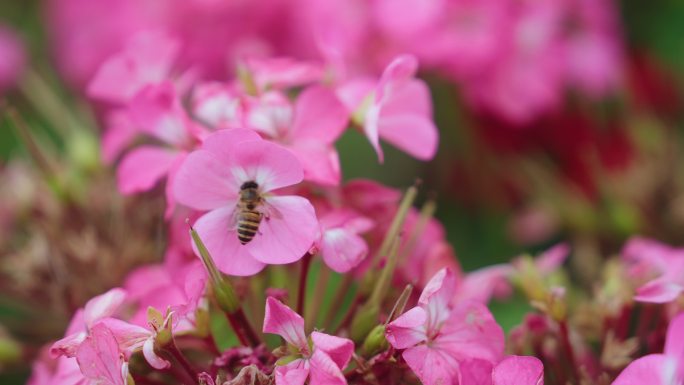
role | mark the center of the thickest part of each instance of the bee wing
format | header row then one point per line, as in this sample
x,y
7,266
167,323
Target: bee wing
x,y
271,211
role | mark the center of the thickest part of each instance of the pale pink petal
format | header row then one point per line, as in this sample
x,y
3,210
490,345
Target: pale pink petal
x,y
553,258
649,369
203,182
319,115
151,356
471,333
402,68
321,162
100,359
432,366
157,111
170,180
674,343
68,345
438,292
325,371
287,232
221,142
280,319
353,93
270,165
68,373
342,250
372,130
216,104
128,336
104,305
294,373
408,329
408,98
339,349
284,72
481,285
519,370
143,167
659,291
119,133
222,242
415,134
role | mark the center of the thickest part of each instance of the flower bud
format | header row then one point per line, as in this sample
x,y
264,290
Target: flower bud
x,y
375,342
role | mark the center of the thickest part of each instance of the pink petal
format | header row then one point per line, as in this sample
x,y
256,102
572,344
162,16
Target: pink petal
x,y
480,285
408,329
287,232
471,333
157,111
223,244
324,371
100,359
292,374
142,168
342,250
284,72
519,370
104,305
319,115
438,292
408,98
339,349
119,133
649,369
170,180
68,345
321,162
270,165
674,343
128,336
353,93
475,372
432,366
553,258
659,291
415,134
372,130
280,319
204,182
402,68
221,142
151,356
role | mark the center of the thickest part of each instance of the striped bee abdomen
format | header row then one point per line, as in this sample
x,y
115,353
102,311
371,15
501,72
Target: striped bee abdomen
x,y
248,225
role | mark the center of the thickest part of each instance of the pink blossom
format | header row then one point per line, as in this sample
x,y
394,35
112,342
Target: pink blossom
x,y
647,258
519,370
102,306
283,72
309,128
211,178
13,58
341,246
659,369
437,337
397,109
100,359
218,105
322,362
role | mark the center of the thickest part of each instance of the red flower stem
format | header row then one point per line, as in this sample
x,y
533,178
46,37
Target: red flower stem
x,y
568,350
303,278
180,358
243,329
140,380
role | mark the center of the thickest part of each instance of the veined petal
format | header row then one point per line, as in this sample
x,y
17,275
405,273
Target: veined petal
x,y
280,319
128,336
471,333
270,165
143,167
99,357
103,305
339,349
436,297
519,370
203,182
222,242
432,366
151,356
295,373
324,371
68,345
408,329
287,231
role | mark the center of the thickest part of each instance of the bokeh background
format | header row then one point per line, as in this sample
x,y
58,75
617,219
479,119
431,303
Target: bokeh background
x,y
572,133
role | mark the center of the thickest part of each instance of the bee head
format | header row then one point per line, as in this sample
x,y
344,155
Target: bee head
x,y
249,185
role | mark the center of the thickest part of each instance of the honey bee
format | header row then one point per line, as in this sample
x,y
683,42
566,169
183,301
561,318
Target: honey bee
x,y
248,215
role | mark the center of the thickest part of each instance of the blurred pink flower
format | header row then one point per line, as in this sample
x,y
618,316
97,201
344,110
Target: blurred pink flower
x,y
12,58
397,109
211,178
437,336
322,361
647,258
519,370
341,246
659,369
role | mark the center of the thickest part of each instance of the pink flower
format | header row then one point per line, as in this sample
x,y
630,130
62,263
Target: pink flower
x,y
13,58
102,306
341,246
100,360
308,128
322,361
397,109
217,105
283,72
438,337
659,369
647,258
147,58
519,370
211,179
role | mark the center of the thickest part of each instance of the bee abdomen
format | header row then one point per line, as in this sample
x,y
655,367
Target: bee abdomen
x,y
248,226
